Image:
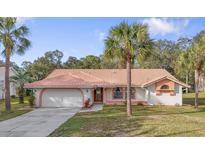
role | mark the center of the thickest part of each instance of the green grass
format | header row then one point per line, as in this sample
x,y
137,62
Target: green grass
x,y
16,109
189,98
146,121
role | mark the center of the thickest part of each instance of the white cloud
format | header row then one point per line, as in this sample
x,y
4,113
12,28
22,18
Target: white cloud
x,y
163,26
100,35
22,20
159,26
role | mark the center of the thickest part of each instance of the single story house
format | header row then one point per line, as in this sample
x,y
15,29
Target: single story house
x,y
75,87
13,86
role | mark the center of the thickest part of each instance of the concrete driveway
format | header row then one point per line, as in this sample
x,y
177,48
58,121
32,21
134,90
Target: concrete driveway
x,y
38,123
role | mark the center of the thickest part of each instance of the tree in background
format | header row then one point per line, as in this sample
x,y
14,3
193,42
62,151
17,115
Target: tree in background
x,y
2,64
72,63
87,62
168,55
55,57
163,55
111,63
197,59
44,65
183,65
90,62
20,78
14,40
127,43
40,68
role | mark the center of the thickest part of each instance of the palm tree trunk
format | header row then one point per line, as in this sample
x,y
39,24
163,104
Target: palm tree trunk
x,y
196,87
7,83
187,80
129,109
21,95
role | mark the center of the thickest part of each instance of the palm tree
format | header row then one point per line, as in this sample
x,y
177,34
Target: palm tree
x,y
183,66
20,78
127,43
13,40
197,59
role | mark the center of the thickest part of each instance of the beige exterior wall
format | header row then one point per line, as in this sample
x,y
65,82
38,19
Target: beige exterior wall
x,y
88,94
148,95
2,79
108,98
164,98
37,97
140,94
108,94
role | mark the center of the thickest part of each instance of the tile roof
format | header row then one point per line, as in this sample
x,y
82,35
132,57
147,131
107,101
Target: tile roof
x,y
74,78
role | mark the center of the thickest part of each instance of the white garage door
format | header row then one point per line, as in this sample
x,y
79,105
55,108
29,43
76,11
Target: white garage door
x,y
62,98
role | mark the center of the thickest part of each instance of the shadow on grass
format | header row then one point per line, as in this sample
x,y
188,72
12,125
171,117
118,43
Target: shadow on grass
x,y
180,133
143,133
190,101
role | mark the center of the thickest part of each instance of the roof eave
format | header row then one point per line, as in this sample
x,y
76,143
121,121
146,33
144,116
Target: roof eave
x,y
157,80
75,86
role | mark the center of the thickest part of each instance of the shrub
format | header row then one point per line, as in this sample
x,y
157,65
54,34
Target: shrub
x,y
13,96
31,100
28,92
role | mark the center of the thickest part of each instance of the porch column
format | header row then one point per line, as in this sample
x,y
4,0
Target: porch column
x,y
104,96
124,92
147,95
91,95
37,97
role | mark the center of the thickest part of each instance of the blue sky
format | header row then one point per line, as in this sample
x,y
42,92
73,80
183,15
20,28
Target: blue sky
x,y
83,36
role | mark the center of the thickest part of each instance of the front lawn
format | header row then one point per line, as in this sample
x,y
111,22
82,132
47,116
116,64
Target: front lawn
x,y
146,121
16,109
189,98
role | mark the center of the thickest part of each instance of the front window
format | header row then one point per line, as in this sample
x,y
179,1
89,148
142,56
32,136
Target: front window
x,y
164,87
118,93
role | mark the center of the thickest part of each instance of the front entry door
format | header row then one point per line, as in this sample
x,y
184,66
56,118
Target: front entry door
x,y
98,95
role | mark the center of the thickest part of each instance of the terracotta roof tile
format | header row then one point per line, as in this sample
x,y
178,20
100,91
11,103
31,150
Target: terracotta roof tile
x,y
62,78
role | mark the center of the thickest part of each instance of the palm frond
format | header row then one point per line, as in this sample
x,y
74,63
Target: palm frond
x,y
9,23
22,46
21,32
13,39
126,39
